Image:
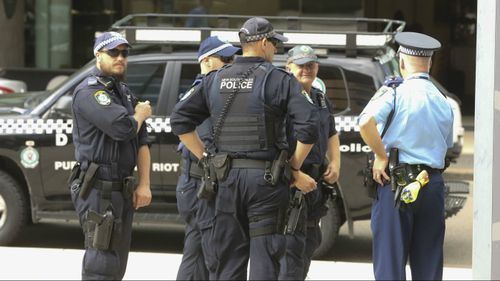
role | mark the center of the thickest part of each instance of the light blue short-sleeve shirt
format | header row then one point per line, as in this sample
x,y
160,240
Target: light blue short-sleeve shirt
x,y
422,125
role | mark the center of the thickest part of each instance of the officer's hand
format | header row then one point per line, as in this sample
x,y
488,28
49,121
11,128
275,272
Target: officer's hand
x,y
332,172
142,196
303,182
143,109
379,174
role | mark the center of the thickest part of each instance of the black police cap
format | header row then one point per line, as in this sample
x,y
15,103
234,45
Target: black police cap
x,y
417,44
258,28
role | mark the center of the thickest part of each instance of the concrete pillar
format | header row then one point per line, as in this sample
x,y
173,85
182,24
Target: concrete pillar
x,y
486,219
12,32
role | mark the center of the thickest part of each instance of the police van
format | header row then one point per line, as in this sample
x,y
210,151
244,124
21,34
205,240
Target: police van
x,y
37,153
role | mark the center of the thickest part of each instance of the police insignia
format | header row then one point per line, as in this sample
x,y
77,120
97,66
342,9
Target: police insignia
x,y
305,94
102,97
187,94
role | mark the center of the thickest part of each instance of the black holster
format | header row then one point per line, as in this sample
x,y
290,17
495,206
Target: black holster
x,y
369,183
103,230
294,212
209,185
280,169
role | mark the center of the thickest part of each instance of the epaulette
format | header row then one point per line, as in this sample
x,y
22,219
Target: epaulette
x,y
106,82
393,81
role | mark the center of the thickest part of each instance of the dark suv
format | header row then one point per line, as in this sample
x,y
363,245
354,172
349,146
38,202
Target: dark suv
x,y
37,153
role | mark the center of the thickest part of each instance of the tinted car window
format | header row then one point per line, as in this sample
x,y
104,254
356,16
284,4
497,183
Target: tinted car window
x,y
144,79
188,74
361,89
335,87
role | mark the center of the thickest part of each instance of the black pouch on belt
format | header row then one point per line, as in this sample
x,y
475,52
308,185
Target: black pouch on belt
x,y
278,168
221,164
75,173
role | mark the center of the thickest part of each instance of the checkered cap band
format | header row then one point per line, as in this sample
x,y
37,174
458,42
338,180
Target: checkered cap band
x,y
257,37
415,52
115,37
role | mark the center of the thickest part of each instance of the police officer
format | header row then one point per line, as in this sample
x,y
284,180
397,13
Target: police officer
x,y
247,102
212,55
421,129
110,140
303,64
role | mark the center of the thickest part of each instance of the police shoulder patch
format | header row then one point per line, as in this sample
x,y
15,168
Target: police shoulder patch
x,y
102,97
187,94
382,91
306,95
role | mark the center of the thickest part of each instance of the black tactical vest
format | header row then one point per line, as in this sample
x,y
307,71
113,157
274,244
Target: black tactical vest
x,y
250,125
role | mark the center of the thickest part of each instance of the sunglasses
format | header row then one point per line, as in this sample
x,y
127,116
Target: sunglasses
x,y
225,59
114,53
274,41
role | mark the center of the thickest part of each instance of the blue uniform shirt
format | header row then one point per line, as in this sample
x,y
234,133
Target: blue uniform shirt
x,y
326,129
422,126
104,129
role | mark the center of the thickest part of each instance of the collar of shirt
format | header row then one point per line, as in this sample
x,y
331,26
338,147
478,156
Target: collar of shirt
x,y
419,75
248,59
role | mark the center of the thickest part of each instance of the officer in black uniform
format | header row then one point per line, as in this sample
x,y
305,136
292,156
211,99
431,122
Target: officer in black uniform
x,y
303,64
247,103
212,55
110,140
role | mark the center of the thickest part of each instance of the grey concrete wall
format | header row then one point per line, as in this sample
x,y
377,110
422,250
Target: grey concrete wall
x,y
12,36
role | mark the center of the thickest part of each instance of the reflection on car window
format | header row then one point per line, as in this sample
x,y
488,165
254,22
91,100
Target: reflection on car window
x,y
144,79
188,74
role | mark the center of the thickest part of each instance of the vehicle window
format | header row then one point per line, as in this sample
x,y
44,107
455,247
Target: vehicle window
x,y
188,75
144,79
335,87
361,89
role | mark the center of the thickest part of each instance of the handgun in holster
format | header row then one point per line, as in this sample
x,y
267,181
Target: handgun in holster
x,y
103,229
278,169
398,174
294,212
88,180
208,186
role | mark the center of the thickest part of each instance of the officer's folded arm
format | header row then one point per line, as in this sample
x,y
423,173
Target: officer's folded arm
x,y
193,142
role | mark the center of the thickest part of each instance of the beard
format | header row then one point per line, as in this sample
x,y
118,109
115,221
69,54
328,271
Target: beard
x,y
114,70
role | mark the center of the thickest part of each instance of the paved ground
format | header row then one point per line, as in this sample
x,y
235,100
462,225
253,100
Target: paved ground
x,y
63,264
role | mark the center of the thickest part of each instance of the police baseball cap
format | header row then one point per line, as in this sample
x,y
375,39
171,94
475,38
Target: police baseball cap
x,y
214,46
417,44
257,28
301,54
109,40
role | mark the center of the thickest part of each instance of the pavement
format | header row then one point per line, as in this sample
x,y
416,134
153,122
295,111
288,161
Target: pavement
x,y
24,263
64,264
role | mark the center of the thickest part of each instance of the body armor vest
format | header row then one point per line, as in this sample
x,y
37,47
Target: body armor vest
x,y
250,125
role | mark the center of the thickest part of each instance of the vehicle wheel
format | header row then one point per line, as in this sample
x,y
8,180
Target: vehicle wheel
x,y
329,225
13,209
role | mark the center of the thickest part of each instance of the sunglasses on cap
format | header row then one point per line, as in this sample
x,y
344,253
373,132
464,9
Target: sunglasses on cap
x,y
114,53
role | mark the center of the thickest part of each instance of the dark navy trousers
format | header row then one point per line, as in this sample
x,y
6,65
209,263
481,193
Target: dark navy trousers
x,y
226,242
192,266
107,264
416,233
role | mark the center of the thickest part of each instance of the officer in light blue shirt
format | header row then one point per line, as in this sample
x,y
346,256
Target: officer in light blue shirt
x,y
421,129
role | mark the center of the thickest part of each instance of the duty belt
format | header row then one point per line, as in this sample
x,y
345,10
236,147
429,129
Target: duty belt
x,y
248,164
115,185
417,168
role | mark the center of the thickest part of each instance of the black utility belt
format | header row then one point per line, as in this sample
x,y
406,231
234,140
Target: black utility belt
x,y
417,168
127,185
196,171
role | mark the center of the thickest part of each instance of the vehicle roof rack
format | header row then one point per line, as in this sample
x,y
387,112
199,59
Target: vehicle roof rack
x,y
332,33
